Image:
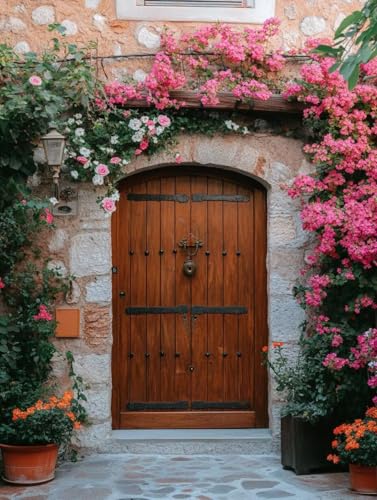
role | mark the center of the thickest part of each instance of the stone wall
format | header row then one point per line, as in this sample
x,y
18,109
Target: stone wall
x,y
81,246
23,24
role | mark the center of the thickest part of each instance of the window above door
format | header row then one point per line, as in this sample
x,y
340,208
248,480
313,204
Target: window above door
x,y
235,11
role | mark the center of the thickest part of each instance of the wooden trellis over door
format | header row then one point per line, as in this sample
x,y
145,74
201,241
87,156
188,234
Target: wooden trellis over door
x,y
187,343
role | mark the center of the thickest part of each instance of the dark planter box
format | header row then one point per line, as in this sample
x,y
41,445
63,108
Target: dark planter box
x,y
305,446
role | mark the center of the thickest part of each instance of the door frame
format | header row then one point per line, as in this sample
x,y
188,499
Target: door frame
x,y
261,326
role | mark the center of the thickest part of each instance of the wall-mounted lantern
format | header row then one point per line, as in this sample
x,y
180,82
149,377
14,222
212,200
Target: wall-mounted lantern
x,y
53,144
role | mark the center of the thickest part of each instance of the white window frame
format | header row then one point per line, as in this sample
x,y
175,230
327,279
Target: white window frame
x,y
129,10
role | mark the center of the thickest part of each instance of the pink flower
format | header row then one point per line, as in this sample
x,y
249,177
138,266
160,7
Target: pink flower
x,y
138,152
178,158
47,216
164,120
2,284
115,160
144,145
108,204
35,80
82,160
102,170
23,202
43,314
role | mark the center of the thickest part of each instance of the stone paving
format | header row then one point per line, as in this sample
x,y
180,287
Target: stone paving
x,y
146,477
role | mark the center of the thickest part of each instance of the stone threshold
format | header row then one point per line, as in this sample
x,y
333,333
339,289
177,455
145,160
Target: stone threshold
x,y
190,442
191,434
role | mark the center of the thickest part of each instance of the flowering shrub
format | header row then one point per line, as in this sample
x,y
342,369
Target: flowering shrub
x,y
210,60
103,144
42,423
339,199
356,443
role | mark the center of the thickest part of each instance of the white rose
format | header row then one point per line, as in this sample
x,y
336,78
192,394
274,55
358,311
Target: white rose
x,y
125,162
114,139
144,119
97,180
154,140
228,124
78,116
85,152
74,174
134,124
159,130
79,132
115,196
70,121
245,130
138,136
53,200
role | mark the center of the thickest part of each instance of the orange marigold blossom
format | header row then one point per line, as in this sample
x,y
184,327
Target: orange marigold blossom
x,y
333,458
265,348
372,412
277,344
334,443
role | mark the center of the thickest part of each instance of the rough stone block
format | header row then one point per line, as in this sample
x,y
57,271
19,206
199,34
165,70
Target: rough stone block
x,y
148,38
97,327
93,368
21,47
285,318
90,254
12,24
99,403
99,290
313,25
45,14
58,240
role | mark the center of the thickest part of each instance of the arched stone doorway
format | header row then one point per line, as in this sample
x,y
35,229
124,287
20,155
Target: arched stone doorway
x,y
186,351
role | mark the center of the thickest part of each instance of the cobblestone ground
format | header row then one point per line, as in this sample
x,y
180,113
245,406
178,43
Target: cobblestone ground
x,y
145,477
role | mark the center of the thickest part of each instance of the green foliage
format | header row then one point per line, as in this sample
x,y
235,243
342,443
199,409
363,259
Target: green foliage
x,y
67,83
42,427
311,390
358,30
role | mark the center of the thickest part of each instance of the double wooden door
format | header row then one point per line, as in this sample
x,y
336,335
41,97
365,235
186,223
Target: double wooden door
x,y
189,293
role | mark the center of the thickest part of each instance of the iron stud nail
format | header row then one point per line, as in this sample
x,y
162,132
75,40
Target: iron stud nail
x,y
177,354
225,354
238,253
239,354
207,253
162,354
146,252
131,252
147,354
224,252
207,354
161,251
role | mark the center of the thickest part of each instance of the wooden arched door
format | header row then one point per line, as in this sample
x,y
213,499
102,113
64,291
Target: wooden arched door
x,y
187,343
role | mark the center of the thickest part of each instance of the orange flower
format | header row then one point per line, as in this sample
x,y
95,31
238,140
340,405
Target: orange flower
x,y
71,415
265,348
76,425
333,458
277,344
372,412
334,443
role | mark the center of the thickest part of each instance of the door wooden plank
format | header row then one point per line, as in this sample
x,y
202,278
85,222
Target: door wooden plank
x,y
230,284
138,296
199,294
153,288
182,296
215,293
168,272
261,338
246,293
188,420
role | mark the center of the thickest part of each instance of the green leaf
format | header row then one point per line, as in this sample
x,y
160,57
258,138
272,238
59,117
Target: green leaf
x,y
353,18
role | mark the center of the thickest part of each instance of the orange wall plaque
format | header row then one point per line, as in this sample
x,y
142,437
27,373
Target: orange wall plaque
x,y
68,322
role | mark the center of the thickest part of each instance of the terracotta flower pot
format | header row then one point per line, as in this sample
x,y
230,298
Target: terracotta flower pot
x,y
363,479
29,464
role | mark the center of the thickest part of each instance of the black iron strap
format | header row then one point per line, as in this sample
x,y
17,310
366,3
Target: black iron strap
x,y
220,197
219,310
181,198
157,310
163,405
220,405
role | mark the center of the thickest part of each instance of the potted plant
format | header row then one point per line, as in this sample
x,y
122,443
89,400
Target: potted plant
x,y
30,442
315,403
356,444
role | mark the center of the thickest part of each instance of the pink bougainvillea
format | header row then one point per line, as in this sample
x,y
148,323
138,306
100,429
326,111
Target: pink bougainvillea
x,y
43,314
339,289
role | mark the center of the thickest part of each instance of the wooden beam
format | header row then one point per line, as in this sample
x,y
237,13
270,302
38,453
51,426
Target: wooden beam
x,y
275,104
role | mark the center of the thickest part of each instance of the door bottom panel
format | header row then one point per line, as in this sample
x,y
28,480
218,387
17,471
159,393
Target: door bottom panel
x,y
187,420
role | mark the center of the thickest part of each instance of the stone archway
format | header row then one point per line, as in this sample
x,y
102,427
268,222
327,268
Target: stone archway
x,y
272,161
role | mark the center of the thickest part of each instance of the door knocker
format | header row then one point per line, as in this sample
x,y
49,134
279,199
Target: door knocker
x,y
191,246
